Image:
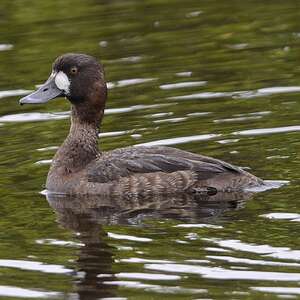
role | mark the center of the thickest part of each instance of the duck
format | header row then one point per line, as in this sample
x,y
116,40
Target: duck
x,y
80,168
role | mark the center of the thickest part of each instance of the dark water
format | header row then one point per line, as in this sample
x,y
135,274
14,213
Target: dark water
x,y
221,78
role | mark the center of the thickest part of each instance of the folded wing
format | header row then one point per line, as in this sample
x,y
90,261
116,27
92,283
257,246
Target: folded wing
x,y
134,161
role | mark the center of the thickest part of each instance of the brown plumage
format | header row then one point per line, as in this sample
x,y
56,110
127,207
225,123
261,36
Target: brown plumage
x,y
79,167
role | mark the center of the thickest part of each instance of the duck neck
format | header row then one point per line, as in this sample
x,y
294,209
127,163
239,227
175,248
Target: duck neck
x,y
81,145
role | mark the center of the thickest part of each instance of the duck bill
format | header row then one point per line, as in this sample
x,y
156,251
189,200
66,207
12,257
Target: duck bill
x,y
46,92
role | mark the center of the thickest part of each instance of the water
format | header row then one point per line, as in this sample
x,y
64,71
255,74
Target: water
x,y
220,78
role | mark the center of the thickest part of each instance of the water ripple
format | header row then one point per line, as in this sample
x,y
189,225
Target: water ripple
x,y
148,276
34,266
180,140
138,260
238,46
228,141
199,114
159,115
6,47
184,74
270,91
240,246
180,85
128,82
12,291
171,120
198,226
240,94
204,95
43,162
58,243
33,117
262,131
12,93
50,148
289,254
256,113
224,274
215,249
155,288
130,59
133,108
37,116
194,14
281,216
112,133
277,290
128,237
237,119
248,261
266,250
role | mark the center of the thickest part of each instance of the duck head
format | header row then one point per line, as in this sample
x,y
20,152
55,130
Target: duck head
x,y
78,77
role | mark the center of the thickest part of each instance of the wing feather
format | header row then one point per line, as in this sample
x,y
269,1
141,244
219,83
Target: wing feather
x,y
130,161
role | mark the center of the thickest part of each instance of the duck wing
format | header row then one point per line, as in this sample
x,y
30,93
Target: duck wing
x,y
134,161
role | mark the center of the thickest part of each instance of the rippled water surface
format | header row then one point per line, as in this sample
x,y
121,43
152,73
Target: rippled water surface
x,y
221,78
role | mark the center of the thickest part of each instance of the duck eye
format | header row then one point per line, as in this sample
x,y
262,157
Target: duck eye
x,y
74,70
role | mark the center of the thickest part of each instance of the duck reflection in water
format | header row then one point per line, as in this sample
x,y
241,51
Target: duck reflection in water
x,y
85,215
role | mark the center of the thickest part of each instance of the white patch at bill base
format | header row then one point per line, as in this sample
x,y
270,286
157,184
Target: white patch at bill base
x,y
62,82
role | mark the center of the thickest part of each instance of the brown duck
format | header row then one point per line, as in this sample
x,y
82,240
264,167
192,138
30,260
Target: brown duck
x,y
78,166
